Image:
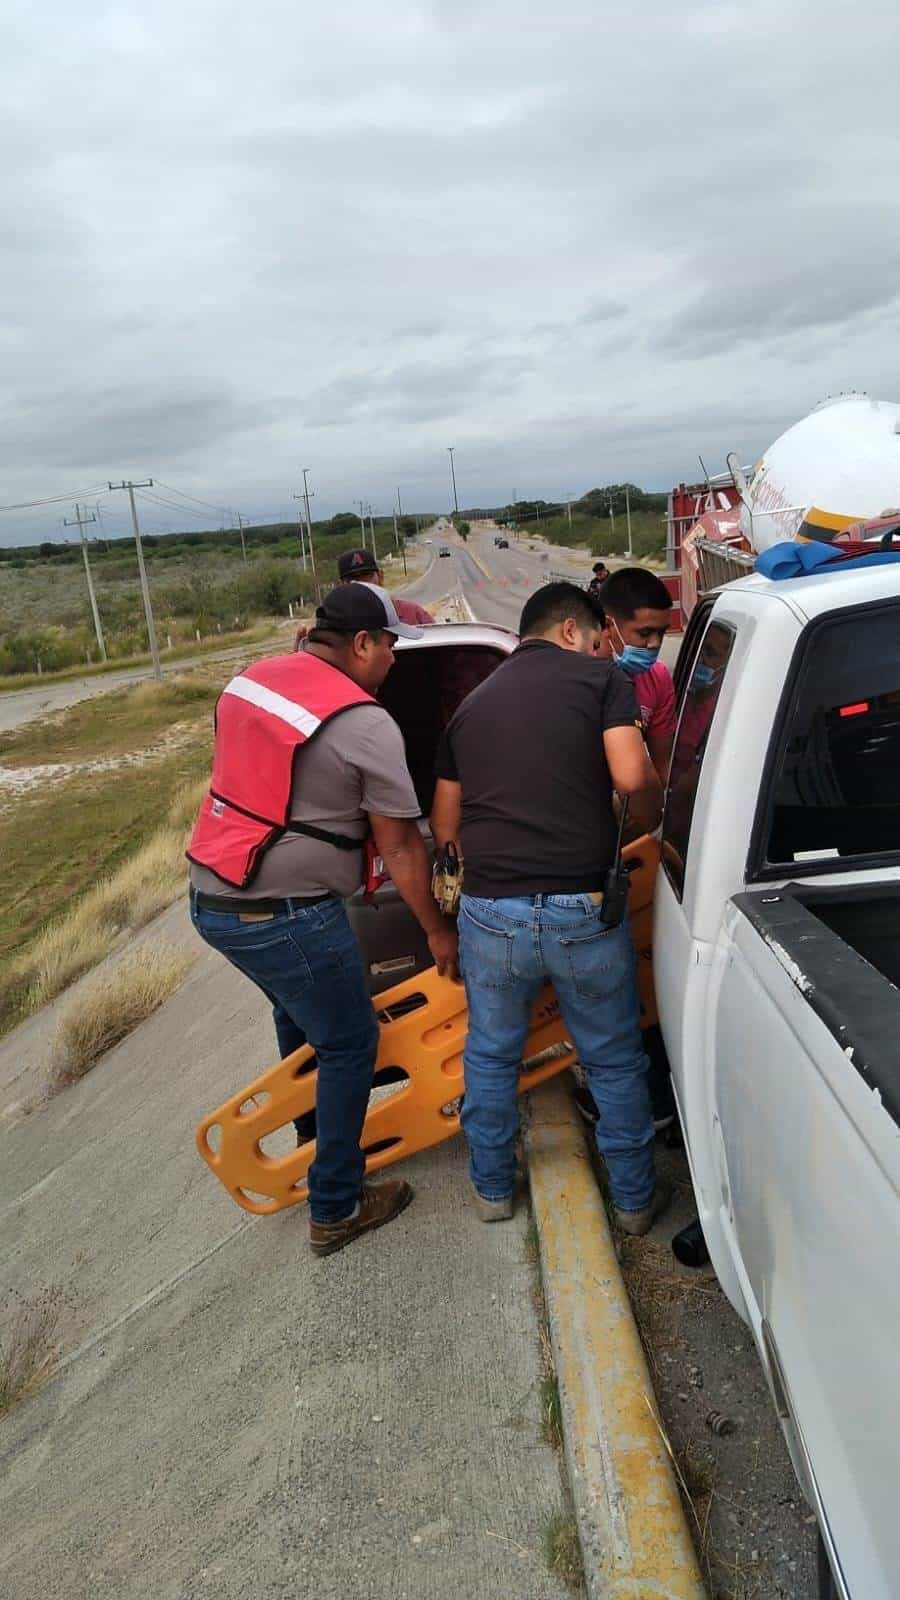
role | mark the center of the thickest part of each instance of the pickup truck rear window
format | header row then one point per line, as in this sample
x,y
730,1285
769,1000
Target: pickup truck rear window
x,y
835,790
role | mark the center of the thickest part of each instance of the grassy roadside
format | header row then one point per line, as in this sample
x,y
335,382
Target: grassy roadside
x,y
67,857
600,537
99,669
95,853
112,724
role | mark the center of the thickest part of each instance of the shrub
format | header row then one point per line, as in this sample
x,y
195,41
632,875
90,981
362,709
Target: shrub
x,y
113,1006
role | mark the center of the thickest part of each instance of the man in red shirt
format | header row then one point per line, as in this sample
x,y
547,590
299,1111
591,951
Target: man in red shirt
x,y
639,606
359,566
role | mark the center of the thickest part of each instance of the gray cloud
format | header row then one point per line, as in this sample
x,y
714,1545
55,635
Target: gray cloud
x,y
579,247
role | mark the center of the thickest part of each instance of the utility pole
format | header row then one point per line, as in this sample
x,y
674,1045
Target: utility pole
x,y
243,542
515,518
300,521
401,538
569,508
145,587
628,552
612,524
450,450
372,535
82,521
309,536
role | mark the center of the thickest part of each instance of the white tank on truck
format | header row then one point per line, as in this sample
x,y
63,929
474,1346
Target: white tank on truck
x,y
835,470
838,466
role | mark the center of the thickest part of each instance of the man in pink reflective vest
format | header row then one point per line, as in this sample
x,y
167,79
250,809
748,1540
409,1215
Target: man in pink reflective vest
x,y
306,766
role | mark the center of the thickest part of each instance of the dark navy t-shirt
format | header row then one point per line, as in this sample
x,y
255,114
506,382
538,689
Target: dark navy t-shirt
x,y
527,749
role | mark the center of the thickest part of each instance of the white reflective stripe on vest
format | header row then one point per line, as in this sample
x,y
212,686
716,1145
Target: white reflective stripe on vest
x,y
276,704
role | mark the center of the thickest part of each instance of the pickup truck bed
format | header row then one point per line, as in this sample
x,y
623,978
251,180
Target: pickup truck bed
x,y
841,949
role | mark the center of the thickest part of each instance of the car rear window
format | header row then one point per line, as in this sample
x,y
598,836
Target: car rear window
x,y
422,691
835,789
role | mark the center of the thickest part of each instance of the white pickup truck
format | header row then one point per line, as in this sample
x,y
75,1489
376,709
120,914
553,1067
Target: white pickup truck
x,y
776,956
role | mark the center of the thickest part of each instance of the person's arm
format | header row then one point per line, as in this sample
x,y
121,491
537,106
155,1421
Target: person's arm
x,y
446,811
659,747
633,776
401,847
661,731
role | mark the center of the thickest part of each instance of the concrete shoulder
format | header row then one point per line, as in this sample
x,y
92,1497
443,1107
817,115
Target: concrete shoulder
x,y
634,1536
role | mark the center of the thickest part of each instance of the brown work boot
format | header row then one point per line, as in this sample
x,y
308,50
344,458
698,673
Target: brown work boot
x,y
378,1203
637,1223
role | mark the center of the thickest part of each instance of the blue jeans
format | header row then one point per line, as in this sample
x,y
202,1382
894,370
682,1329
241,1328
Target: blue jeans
x,y
309,966
508,948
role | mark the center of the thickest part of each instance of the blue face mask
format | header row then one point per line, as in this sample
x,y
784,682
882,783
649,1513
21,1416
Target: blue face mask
x,y
705,676
634,658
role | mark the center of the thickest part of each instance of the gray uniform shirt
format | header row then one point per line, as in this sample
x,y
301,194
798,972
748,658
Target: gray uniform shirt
x,y
354,766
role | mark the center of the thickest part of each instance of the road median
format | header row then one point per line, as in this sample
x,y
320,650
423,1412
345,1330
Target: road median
x,y
634,1536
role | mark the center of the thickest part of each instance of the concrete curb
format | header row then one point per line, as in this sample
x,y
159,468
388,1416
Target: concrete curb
x,y
634,1537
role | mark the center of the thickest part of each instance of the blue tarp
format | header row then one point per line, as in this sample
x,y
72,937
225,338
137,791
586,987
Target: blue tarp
x,y
791,560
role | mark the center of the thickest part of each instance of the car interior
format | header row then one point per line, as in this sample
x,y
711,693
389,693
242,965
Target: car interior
x,y
422,691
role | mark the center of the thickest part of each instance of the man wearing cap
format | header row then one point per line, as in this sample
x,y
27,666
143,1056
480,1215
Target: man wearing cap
x,y
359,566
356,566
309,780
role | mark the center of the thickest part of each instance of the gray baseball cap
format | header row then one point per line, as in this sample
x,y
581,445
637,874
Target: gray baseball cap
x,y
355,606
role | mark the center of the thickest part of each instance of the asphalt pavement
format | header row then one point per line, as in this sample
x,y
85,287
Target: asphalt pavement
x,y
494,583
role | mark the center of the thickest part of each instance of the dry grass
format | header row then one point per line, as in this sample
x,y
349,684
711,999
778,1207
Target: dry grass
x,y
562,1551
129,898
117,724
551,1411
181,689
27,1346
656,1289
185,803
111,1007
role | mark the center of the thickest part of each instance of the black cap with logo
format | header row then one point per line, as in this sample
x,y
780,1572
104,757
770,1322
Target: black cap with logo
x,y
356,564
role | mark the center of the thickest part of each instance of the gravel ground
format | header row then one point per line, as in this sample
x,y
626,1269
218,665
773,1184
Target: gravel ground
x,y
755,1533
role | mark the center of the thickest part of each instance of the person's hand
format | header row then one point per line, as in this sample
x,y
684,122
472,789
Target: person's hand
x,y
444,947
300,635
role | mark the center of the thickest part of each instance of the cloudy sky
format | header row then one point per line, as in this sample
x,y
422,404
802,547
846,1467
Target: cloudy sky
x,y
240,239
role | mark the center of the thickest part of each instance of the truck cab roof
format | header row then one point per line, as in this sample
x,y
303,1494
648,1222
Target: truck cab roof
x,y
833,589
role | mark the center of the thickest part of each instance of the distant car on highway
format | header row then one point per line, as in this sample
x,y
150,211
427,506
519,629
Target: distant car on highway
x,y
502,544
443,551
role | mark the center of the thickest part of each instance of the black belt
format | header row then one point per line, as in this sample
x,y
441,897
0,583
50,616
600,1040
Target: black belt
x,y
277,908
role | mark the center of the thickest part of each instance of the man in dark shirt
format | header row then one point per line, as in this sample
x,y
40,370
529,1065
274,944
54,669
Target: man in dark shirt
x,y
526,773
601,573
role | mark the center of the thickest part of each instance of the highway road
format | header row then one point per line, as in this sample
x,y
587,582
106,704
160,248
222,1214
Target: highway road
x,y
494,584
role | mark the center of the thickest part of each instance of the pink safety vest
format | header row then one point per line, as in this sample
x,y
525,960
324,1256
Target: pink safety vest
x,y
264,717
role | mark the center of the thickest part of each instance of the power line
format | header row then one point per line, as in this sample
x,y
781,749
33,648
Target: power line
x,y
184,495
57,499
171,505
